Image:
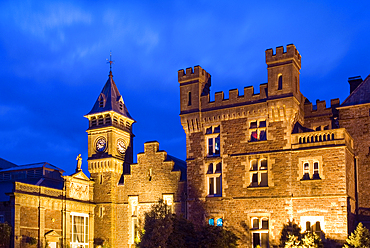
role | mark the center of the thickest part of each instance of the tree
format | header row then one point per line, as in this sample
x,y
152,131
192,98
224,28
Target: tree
x,y
5,232
360,238
309,240
157,226
166,230
290,229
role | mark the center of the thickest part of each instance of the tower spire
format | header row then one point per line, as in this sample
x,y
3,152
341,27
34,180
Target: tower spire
x,y
110,61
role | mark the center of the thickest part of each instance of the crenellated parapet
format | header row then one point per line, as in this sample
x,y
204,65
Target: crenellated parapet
x,y
280,56
320,109
191,74
249,96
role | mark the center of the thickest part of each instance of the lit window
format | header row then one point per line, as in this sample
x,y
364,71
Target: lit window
x,y
168,200
219,222
259,173
260,231
214,178
257,130
79,230
213,141
211,222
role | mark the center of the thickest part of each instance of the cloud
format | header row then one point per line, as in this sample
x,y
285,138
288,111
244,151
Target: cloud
x,y
38,19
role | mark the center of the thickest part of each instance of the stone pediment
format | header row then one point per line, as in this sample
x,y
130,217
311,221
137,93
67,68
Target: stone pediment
x,y
52,233
80,175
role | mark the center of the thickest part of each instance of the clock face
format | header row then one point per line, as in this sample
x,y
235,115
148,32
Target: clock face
x,y
121,146
101,144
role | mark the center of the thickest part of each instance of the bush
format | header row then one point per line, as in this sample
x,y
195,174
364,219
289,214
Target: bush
x,y
360,238
166,230
5,232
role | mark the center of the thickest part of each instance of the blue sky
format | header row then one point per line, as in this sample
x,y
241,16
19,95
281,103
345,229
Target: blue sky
x,y
53,62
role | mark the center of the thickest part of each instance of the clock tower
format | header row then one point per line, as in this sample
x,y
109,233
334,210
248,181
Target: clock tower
x,y
110,154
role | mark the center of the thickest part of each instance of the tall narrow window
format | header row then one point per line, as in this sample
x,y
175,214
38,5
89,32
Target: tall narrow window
x,y
214,177
280,82
213,141
260,232
306,171
189,98
316,170
79,230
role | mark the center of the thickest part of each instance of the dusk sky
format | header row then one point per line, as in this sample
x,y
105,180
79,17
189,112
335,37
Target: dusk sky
x,y
53,63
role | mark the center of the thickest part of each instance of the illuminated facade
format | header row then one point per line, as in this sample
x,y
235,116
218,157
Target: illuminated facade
x,y
254,162
258,160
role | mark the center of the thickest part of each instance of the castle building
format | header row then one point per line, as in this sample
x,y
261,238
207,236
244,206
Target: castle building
x,y
255,161
258,160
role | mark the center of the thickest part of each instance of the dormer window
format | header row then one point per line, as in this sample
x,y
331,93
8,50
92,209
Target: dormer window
x,y
101,101
121,105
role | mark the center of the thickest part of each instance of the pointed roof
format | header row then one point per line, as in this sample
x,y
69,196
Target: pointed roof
x,y
110,100
360,95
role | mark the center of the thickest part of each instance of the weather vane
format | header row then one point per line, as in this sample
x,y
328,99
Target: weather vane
x,y
110,61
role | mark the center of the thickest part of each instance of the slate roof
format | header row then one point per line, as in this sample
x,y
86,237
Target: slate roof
x,y
112,99
4,164
360,95
179,165
32,166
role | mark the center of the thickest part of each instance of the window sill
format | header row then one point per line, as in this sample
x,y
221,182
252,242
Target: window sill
x,y
258,187
310,180
213,156
213,196
254,142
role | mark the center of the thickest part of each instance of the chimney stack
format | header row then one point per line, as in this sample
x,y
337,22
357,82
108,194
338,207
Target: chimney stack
x,y
354,82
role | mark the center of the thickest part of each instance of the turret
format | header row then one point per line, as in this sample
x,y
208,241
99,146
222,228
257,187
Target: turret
x,y
283,71
193,85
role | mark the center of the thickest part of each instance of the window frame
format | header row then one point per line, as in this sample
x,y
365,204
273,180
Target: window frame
x,y
85,232
258,130
214,175
257,173
260,230
310,173
212,133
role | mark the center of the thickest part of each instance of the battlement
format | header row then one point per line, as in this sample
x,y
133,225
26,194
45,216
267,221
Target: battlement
x,y
192,74
234,97
320,108
291,53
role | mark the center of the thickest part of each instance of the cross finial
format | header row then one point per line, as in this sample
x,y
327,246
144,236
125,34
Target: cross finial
x,y
110,61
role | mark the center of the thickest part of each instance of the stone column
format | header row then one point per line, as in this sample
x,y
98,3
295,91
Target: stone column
x,y
41,226
16,222
67,233
91,228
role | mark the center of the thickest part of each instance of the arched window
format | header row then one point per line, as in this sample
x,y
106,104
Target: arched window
x,y
280,82
189,98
